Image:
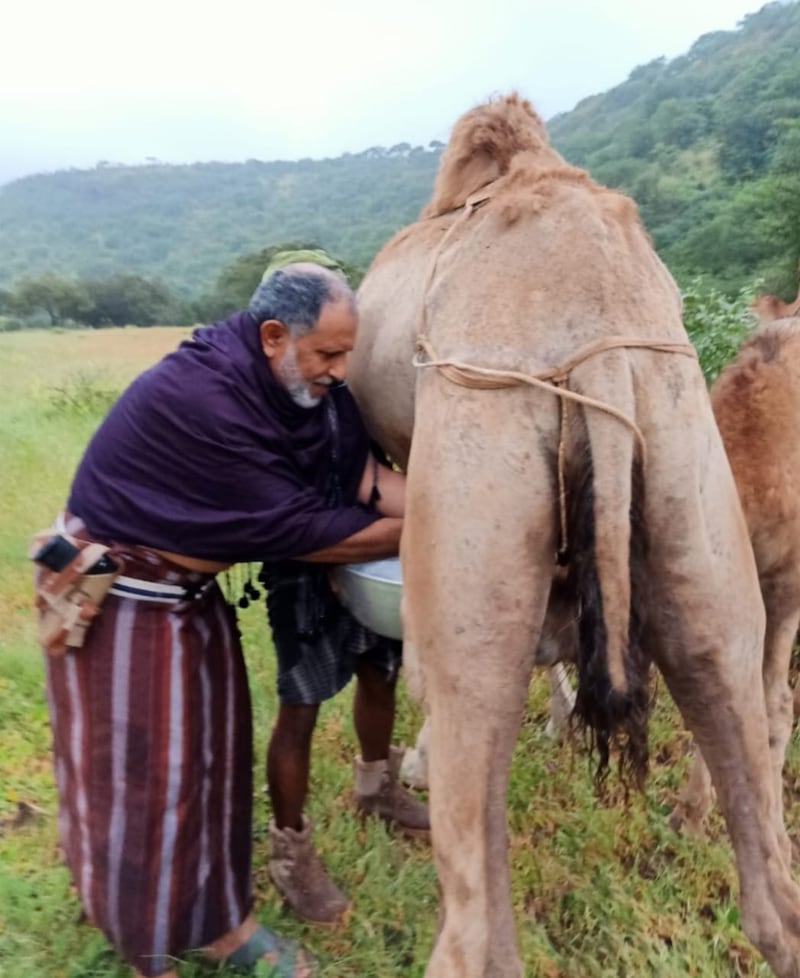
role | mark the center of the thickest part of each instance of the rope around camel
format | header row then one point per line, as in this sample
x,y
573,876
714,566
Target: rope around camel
x,y
553,379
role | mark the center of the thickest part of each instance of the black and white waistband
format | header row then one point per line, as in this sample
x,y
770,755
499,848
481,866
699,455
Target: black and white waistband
x,y
162,593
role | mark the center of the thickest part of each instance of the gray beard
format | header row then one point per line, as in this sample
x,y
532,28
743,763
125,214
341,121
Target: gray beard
x,y
289,375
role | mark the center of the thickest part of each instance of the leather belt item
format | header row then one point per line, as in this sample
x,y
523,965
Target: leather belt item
x,y
130,587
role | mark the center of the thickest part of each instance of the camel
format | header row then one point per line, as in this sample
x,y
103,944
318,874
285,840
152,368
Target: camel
x,y
756,402
769,307
557,409
557,645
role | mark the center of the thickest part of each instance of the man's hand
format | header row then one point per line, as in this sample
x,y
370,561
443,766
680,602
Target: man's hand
x,y
379,539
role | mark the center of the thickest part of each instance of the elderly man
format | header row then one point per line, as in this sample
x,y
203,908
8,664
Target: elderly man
x,y
241,445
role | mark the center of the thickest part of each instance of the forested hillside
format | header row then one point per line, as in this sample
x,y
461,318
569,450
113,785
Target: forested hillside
x,y
185,223
708,144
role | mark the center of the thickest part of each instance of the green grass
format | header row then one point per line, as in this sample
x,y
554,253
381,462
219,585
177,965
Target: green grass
x,y
599,890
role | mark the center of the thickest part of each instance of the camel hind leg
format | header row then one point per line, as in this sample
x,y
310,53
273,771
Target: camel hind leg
x,y
782,603
562,702
782,617
477,560
414,769
695,798
708,646
476,688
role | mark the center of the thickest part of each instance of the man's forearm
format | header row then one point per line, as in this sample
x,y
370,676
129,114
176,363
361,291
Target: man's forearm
x,y
392,489
379,539
388,485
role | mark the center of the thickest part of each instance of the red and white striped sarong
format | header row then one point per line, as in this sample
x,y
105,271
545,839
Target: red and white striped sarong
x,y
152,744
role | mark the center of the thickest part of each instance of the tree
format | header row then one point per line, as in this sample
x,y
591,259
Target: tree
x,y
60,298
784,204
122,299
744,148
679,122
238,281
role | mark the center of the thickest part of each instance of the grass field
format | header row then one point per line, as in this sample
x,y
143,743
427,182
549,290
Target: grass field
x,y
599,890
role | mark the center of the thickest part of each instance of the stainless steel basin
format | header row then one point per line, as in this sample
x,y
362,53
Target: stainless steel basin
x,y
371,592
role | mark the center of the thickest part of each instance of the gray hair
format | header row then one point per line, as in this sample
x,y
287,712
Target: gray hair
x,y
295,295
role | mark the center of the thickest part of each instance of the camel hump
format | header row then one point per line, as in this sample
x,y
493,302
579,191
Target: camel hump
x,y
482,145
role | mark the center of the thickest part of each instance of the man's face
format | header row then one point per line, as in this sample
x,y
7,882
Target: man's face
x,y
309,365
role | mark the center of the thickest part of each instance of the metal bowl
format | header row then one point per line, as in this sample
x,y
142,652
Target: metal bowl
x,y
371,593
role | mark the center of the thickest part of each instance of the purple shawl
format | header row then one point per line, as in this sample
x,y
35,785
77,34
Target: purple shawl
x,y
207,455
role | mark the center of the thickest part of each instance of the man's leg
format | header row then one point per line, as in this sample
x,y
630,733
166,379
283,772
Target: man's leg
x,y
294,866
249,943
289,762
307,675
377,787
160,699
373,711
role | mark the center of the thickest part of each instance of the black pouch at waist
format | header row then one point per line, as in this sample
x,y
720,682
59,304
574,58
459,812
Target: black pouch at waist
x,y
299,597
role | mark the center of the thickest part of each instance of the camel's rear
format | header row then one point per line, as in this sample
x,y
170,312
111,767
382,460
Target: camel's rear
x,y
614,460
523,284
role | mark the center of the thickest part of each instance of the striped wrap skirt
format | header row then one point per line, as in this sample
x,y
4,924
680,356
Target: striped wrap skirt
x,y
152,745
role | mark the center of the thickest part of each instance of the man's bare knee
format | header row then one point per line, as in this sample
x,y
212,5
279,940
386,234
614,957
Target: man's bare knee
x,y
295,723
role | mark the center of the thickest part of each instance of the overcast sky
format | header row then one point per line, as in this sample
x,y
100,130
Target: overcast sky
x,y
183,80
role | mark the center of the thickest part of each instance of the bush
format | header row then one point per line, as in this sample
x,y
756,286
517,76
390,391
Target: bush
x,y
9,324
716,324
85,393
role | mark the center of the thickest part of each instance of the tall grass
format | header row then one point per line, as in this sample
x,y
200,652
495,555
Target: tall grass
x,y
599,891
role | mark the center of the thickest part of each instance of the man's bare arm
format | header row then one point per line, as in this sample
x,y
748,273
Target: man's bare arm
x,y
391,488
379,539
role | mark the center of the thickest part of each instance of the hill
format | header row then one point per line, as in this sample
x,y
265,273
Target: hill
x,y
185,223
708,144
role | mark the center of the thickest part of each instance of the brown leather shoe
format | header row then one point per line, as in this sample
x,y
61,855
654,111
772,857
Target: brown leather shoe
x,y
301,879
378,792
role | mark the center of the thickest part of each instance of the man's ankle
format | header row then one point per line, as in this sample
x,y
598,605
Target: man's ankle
x,y
225,945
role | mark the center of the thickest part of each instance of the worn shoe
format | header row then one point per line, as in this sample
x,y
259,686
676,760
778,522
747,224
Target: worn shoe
x,y
378,792
285,958
300,878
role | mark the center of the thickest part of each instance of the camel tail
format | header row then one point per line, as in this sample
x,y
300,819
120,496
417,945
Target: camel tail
x,y
608,576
